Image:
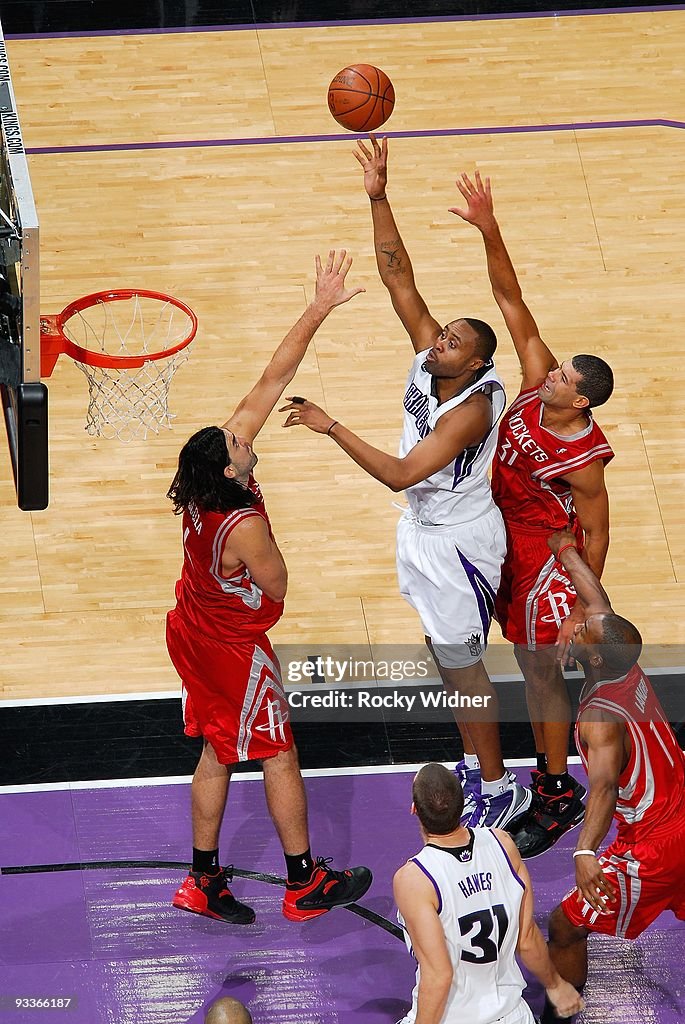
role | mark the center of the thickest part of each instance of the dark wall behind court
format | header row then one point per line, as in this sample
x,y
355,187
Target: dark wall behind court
x,y
20,17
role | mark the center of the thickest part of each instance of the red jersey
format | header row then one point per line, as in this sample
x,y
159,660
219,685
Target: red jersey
x,y
225,608
531,462
651,795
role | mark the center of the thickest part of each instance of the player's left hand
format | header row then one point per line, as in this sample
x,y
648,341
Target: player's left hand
x,y
304,413
478,196
566,1000
565,636
593,884
557,541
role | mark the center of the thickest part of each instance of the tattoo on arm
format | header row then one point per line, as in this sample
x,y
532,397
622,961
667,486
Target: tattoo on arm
x,y
394,260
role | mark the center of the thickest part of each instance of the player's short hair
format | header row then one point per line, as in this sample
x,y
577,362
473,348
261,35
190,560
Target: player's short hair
x,y
620,645
228,1011
438,799
200,476
597,381
486,345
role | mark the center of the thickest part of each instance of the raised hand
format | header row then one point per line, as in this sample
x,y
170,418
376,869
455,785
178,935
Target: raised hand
x,y
330,280
375,165
479,210
561,539
302,413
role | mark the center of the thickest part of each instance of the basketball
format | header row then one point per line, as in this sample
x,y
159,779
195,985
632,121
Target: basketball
x,y
361,98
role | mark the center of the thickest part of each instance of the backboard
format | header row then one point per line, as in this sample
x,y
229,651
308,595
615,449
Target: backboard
x,y
24,397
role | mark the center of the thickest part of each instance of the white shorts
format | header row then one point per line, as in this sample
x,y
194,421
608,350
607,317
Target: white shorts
x,y
521,1014
450,575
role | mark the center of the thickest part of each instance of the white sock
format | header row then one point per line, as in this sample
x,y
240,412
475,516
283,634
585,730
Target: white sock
x,y
471,761
496,787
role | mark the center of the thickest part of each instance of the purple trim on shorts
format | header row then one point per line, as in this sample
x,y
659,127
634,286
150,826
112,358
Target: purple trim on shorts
x,y
483,592
518,879
122,147
435,884
263,26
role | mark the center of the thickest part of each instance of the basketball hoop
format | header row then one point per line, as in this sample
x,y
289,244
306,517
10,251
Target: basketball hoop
x,y
129,344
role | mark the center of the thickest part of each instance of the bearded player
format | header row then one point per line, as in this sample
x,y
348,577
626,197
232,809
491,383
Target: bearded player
x,y
230,593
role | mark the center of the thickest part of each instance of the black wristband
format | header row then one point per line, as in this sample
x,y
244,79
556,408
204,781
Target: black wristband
x,y
333,424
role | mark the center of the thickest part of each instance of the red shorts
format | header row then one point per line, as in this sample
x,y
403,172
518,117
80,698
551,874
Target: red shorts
x,y
232,694
649,877
535,595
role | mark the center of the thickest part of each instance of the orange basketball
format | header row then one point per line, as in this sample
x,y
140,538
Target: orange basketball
x,y
361,98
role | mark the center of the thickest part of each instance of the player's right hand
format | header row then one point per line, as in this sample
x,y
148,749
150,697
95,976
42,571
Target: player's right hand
x,y
565,999
593,884
375,165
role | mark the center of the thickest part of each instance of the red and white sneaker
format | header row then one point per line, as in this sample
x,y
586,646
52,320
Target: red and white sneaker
x,y
325,889
210,896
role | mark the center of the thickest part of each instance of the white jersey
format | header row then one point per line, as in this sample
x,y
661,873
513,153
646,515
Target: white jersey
x,y
479,899
461,491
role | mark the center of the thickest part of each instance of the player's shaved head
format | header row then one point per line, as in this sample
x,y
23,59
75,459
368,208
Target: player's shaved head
x,y
438,799
228,1011
620,643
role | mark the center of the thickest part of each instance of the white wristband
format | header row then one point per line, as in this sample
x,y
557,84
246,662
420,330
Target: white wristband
x,y
584,853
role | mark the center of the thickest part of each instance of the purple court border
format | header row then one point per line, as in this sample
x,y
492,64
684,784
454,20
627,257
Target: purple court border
x,y
263,26
122,147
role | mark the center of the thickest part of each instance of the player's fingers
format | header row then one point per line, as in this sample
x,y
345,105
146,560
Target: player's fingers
x,y
467,182
384,147
329,261
462,188
479,181
488,188
339,259
607,888
459,213
317,264
367,153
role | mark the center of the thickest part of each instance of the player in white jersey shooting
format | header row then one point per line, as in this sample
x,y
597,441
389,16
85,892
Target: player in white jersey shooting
x,y
465,904
451,541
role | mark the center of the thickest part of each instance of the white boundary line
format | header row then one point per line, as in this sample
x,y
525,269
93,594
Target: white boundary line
x,y
308,773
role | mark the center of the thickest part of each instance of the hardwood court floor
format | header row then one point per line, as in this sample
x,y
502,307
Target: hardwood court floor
x,y
593,211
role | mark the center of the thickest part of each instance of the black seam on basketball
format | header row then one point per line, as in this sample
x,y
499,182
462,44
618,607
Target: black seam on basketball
x,y
351,110
373,110
361,74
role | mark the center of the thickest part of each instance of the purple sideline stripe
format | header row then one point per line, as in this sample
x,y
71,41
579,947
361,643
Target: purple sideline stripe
x,y
262,26
117,147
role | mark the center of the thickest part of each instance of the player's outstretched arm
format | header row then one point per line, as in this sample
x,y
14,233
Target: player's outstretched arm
x,y
591,594
417,902
455,431
531,946
603,738
392,259
331,291
535,358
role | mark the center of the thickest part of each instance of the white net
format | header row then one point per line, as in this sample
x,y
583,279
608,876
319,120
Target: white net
x,y
129,402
